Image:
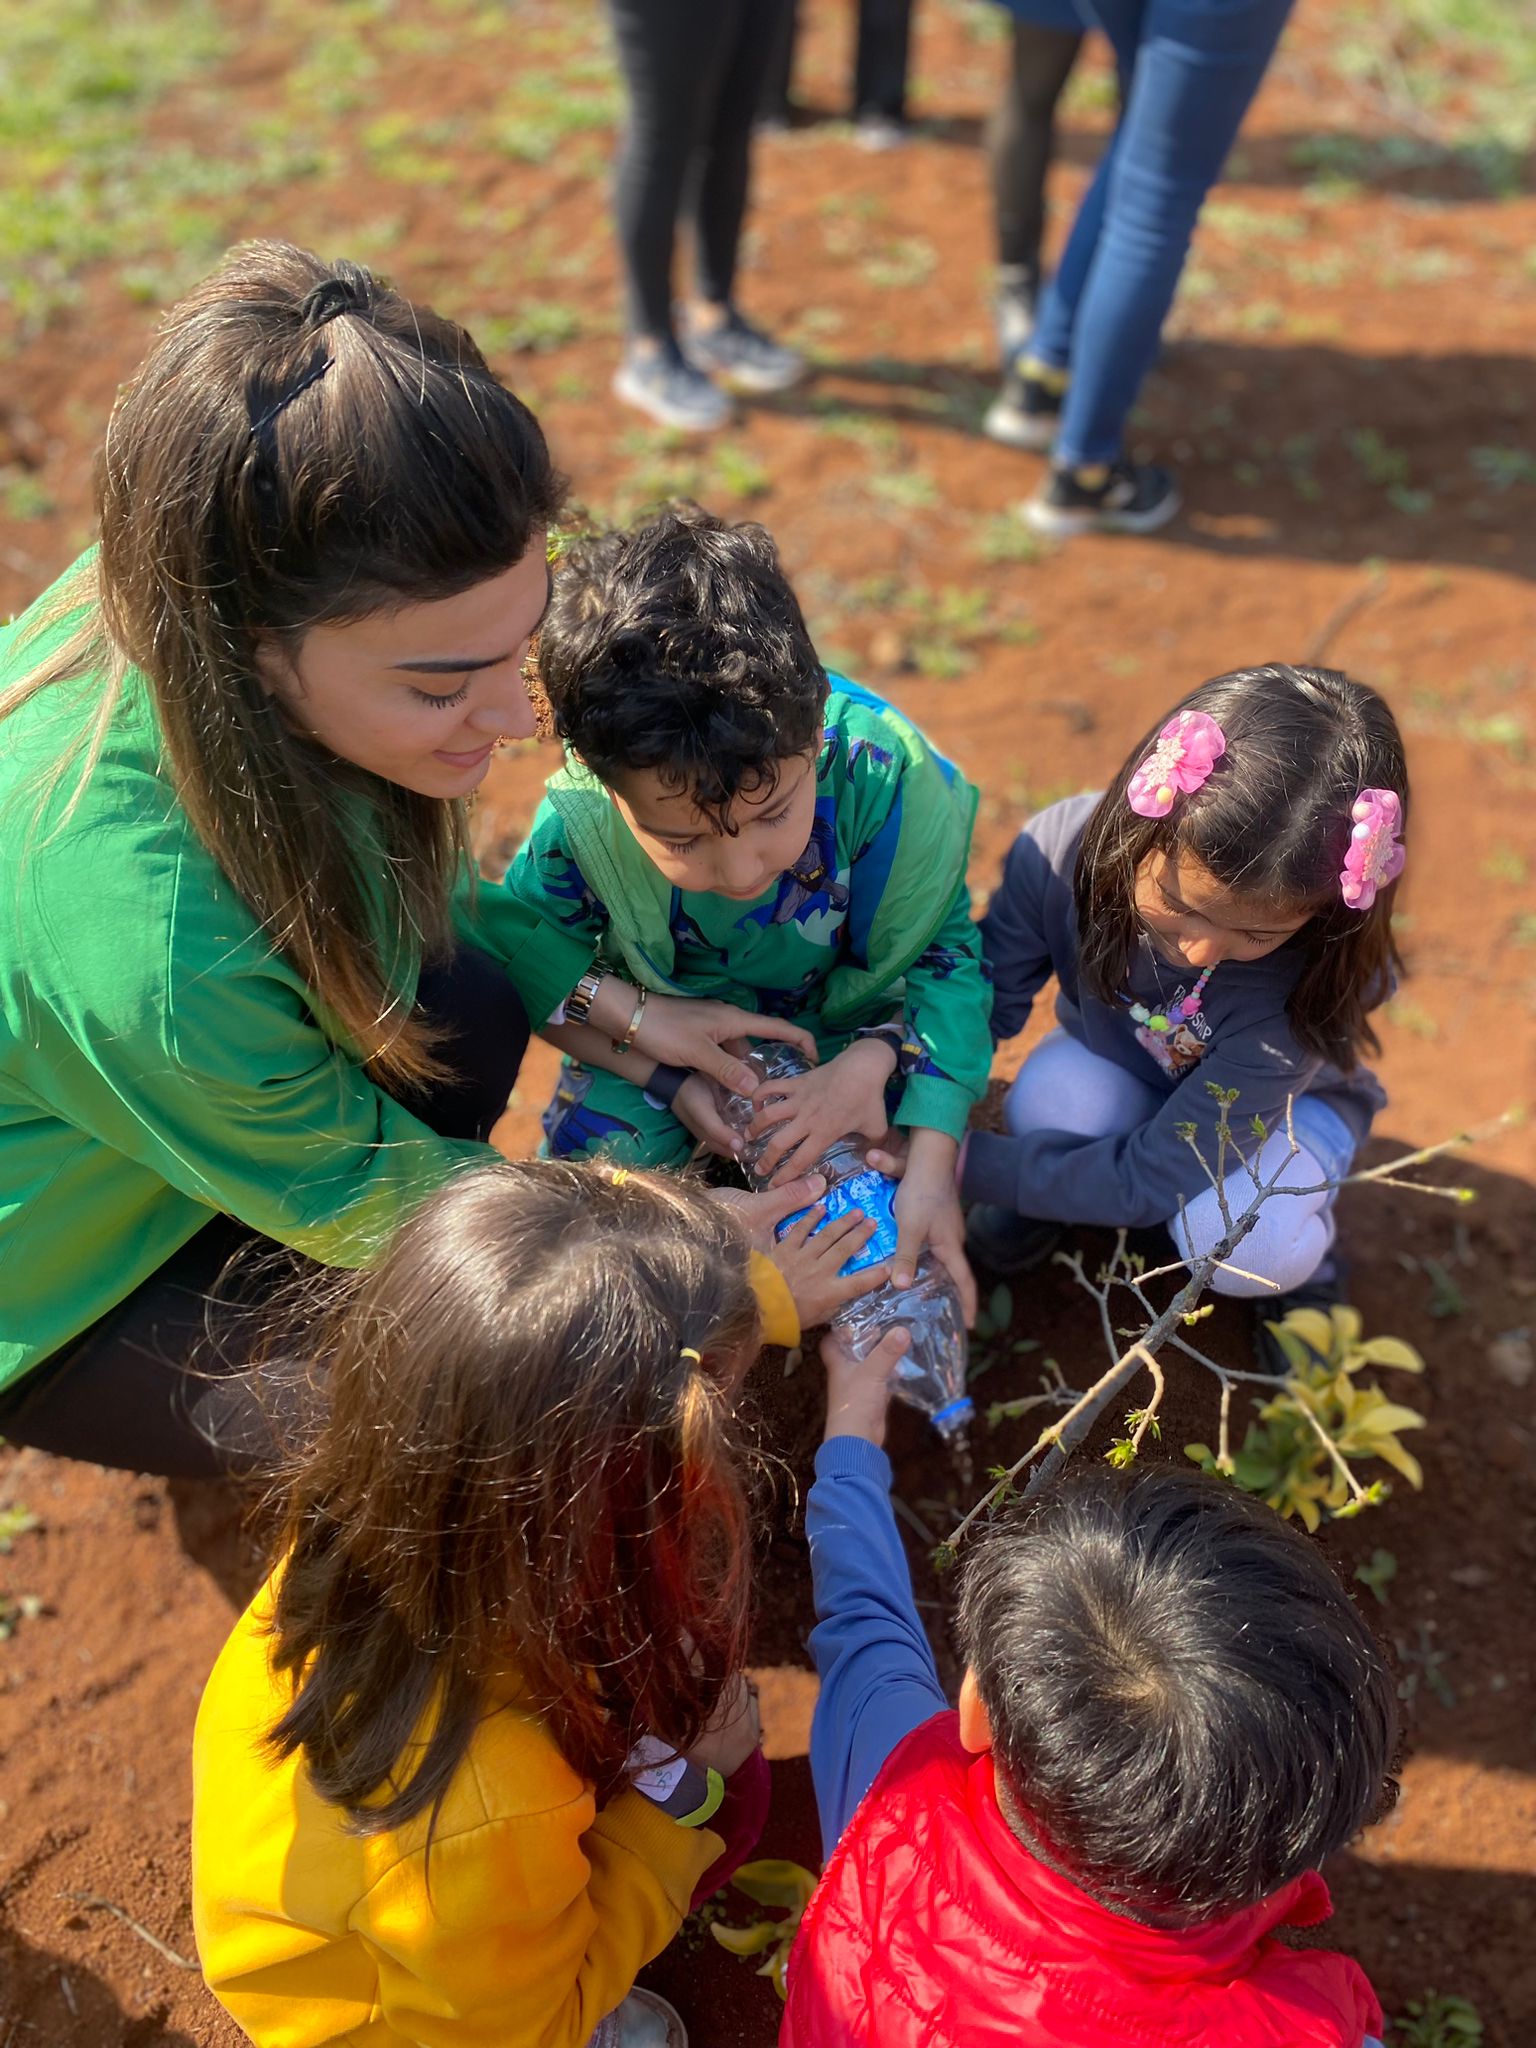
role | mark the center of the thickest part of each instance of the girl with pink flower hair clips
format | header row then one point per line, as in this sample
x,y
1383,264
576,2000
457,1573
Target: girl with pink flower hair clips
x,y
1219,918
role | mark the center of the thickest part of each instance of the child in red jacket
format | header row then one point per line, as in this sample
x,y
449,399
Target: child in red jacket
x,y
1171,1714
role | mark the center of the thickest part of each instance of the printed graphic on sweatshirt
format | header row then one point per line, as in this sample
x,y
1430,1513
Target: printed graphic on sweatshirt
x,y
1181,1049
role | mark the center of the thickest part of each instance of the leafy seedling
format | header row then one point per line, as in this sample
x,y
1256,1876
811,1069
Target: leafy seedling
x,y
786,1889
1299,1452
1378,1572
1434,2021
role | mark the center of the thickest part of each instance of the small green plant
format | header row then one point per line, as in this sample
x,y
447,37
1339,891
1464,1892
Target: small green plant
x,y
15,1520
1504,468
1436,2022
1378,1573
1298,1452
15,1608
785,1888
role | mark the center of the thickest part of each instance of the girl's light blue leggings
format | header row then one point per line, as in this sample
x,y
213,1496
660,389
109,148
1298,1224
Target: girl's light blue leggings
x,y
1063,1086
1194,67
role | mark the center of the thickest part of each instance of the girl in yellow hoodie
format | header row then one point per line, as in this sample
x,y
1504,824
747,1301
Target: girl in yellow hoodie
x,y
484,1735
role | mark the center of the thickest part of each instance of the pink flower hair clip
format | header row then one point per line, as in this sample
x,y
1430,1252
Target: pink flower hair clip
x,y
1376,854
1188,748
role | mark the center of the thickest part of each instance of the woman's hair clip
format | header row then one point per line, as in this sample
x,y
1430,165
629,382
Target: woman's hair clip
x,y
689,1352
1376,854
1187,749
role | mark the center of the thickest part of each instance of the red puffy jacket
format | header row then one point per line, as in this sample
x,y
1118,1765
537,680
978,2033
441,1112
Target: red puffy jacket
x,y
934,1925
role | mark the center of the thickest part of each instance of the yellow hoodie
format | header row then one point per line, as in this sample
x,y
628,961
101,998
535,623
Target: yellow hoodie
x,y
540,1912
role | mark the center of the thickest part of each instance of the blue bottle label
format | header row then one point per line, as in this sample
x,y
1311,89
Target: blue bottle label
x,y
872,1192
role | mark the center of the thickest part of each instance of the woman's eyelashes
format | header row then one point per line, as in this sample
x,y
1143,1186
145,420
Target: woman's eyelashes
x,y
454,696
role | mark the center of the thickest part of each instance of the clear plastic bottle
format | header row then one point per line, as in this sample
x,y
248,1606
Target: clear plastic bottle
x,y
931,1374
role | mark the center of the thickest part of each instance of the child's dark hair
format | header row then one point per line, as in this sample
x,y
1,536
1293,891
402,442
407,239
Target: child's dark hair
x,y
680,647
1187,1711
1272,822
525,1466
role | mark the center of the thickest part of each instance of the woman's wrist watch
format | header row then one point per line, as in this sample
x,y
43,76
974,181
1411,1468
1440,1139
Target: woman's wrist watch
x,y
578,1004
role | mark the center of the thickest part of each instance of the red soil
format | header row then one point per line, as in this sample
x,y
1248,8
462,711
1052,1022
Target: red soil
x,y
1421,337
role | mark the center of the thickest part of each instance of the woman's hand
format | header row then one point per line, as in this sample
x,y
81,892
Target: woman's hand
x,y
928,1213
679,1031
733,1731
809,1112
811,1260
859,1389
696,1109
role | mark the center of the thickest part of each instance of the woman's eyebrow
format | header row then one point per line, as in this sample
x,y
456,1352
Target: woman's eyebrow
x,y
450,666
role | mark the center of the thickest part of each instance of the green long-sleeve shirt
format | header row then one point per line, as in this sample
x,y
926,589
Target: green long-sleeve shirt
x,y
158,1063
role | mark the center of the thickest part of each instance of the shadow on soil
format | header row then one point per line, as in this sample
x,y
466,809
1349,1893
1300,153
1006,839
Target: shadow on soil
x,y
47,1999
1294,448
1414,167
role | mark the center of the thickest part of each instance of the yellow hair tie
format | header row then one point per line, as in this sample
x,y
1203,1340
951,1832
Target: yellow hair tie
x,y
689,1352
619,1176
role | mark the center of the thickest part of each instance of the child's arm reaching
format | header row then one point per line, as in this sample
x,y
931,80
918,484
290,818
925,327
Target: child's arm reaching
x,y
878,1677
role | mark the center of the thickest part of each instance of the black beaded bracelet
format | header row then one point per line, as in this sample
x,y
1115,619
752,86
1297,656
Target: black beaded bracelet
x,y
664,1083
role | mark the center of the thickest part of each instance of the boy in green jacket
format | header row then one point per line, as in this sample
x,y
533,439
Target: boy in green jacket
x,y
734,823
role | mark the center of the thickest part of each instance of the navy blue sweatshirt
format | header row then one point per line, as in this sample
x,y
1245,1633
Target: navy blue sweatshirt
x,y
1240,1039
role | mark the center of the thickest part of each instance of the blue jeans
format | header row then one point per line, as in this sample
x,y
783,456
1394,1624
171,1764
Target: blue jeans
x,y
1194,67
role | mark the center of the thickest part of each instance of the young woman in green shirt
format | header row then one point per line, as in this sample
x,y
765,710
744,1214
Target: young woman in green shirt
x,y
249,989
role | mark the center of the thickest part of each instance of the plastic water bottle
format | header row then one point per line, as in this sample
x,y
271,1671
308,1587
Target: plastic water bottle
x,y
931,1373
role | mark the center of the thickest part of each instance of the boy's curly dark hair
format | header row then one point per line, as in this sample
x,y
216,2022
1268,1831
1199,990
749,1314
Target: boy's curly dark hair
x,y
679,646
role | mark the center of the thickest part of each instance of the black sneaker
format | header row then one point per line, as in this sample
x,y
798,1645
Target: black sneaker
x,y
1027,410
1327,1289
1104,497
1006,1244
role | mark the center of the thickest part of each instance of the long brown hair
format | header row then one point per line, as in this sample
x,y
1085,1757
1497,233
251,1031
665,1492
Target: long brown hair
x,y
245,493
1273,822
524,1467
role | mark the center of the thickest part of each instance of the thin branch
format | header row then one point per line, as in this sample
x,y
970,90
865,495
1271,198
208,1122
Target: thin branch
x,y
161,1948
913,1520
1149,1413
1224,1428
1356,1490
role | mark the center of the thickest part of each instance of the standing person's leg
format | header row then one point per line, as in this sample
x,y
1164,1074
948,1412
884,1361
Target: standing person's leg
x,y
720,339
1020,140
775,102
1198,64
1021,137
882,50
670,52
160,1383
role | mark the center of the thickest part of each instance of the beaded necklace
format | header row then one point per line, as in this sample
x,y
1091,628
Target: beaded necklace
x,y
1162,1021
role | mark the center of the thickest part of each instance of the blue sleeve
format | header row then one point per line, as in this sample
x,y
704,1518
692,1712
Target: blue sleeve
x,y
878,1677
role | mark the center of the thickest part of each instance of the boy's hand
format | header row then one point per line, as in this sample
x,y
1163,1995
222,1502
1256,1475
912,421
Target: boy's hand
x,y
859,1390
811,1111
810,1260
928,1213
680,1031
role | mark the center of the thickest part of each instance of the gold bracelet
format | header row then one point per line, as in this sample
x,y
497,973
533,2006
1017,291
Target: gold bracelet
x,y
623,1044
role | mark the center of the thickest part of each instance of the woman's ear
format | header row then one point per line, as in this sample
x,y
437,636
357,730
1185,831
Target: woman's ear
x,y
975,1721
274,666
